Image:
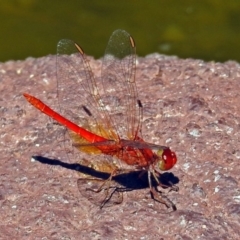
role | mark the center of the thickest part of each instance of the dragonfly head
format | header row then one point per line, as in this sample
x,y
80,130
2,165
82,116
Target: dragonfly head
x,y
167,159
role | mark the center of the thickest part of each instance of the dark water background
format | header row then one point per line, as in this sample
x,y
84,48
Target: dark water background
x,y
206,29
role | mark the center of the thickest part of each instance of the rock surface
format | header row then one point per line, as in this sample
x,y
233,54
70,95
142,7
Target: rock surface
x,y
190,105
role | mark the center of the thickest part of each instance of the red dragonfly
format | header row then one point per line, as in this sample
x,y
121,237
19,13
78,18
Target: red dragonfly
x,y
113,112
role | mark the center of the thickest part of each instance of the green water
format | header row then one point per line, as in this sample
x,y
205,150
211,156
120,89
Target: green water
x,y
207,29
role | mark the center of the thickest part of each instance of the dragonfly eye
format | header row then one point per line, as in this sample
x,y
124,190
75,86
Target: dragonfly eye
x,y
167,159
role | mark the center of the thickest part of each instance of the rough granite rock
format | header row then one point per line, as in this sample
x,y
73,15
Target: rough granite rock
x,y
190,105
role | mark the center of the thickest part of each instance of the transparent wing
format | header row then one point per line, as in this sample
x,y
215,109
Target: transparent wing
x,y
119,93
109,106
78,94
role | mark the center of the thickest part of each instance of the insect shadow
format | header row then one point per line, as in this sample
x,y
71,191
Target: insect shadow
x,y
133,180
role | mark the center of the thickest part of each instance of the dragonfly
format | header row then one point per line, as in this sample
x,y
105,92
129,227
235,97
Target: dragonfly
x,y
113,113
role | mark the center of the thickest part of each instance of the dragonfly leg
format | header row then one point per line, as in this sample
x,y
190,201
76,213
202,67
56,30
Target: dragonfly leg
x,y
170,185
173,188
158,196
104,197
106,186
